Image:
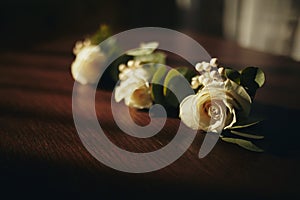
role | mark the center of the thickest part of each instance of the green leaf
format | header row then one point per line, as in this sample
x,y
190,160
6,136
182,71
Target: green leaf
x,y
176,87
260,77
244,125
157,85
144,49
139,52
233,75
247,135
172,79
186,72
252,78
151,45
243,143
173,73
157,57
101,34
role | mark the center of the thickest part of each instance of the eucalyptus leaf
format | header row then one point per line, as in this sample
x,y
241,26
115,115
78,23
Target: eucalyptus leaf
x,y
176,87
144,49
157,57
247,135
243,143
157,85
150,45
139,52
260,77
252,78
186,72
233,75
172,79
173,73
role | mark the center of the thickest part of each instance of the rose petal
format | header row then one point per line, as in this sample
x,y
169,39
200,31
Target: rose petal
x,y
187,112
219,124
232,112
126,88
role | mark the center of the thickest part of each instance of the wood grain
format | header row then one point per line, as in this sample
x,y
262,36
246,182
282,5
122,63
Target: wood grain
x,y
41,153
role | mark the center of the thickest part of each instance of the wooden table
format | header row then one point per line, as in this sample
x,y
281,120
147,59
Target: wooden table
x,y
41,154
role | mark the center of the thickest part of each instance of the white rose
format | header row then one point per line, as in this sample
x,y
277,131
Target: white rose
x,y
134,88
215,107
86,67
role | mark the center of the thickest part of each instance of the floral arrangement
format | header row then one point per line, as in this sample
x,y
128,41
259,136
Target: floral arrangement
x,y
222,97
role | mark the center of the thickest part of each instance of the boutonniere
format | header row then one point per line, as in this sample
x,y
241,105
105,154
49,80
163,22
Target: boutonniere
x,y
222,97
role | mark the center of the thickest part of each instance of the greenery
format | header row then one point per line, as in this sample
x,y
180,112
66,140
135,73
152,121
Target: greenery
x,y
251,78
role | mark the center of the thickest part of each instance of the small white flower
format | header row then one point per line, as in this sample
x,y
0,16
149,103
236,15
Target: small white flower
x,y
206,81
215,107
209,72
88,63
221,71
201,78
214,74
195,84
199,67
206,66
122,67
214,62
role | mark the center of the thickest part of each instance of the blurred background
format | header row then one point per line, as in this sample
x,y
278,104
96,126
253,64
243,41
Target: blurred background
x,y
269,26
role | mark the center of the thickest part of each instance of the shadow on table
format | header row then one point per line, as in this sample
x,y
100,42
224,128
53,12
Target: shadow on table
x,y
280,129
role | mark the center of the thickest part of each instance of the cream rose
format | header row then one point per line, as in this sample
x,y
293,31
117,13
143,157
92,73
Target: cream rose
x,y
134,88
86,67
215,107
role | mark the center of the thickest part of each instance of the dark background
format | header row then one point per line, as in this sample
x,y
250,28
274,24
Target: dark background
x,y
24,23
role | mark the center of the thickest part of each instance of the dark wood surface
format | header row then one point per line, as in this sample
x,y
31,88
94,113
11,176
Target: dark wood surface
x,y
41,154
